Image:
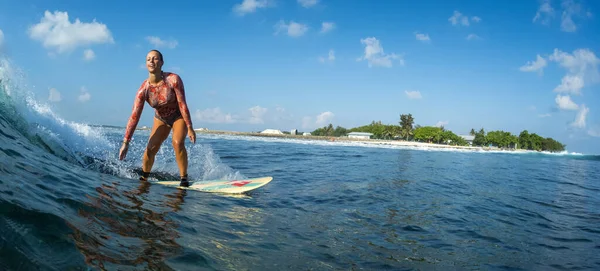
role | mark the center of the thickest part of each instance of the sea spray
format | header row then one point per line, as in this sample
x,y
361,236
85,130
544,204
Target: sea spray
x,y
213,167
203,163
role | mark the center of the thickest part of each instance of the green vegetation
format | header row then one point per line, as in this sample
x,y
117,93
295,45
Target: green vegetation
x,y
407,130
330,131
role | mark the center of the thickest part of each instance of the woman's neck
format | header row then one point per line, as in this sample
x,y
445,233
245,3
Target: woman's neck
x,y
155,77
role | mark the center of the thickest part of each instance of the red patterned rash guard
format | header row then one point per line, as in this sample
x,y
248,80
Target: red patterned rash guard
x,y
167,98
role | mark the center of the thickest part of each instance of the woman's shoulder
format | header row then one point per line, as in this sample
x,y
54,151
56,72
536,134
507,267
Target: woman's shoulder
x,y
172,76
173,79
143,85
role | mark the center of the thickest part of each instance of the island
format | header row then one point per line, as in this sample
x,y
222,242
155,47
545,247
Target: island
x,y
406,133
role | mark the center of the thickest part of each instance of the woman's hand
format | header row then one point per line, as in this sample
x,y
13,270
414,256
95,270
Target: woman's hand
x,y
192,135
123,152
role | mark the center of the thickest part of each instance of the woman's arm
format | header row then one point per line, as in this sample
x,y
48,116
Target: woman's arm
x,y
136,112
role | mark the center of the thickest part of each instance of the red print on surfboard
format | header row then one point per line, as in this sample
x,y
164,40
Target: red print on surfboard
x,y
239,183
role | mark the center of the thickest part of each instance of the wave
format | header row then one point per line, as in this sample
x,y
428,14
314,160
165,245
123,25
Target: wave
x,y
92,147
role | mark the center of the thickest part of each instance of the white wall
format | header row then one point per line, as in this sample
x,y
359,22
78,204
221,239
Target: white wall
x,y
359,136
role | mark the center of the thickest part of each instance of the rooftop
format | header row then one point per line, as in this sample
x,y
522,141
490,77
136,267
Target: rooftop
x,y
468,137
360,133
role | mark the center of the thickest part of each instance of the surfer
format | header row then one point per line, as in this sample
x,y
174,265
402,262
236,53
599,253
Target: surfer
x,y
164,91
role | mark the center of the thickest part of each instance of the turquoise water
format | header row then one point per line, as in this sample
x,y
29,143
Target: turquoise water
x,y
67,203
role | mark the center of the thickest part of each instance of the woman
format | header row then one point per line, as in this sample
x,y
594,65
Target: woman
x,y
165,93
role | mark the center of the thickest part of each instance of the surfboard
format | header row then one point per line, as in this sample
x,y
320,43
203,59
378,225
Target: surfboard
x,y
222,186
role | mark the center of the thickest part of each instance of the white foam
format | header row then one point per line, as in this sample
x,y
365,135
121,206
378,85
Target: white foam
x,y
38,118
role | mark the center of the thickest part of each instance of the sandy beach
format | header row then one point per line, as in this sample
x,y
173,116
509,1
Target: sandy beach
x,y
358,140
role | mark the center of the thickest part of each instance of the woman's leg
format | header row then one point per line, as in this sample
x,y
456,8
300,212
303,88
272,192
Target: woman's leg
x,y
160,132
179,133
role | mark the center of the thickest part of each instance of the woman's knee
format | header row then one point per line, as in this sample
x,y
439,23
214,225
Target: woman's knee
x,y
178,145
152,149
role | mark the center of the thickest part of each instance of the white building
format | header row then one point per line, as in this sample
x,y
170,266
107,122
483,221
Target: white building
x,y
294,132
468,138
272,132
360,135
306,134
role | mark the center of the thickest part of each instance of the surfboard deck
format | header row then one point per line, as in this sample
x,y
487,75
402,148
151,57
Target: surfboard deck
x,y
222,186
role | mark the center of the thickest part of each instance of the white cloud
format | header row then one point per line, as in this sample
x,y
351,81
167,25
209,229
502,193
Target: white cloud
x,y
564,102
413,94
84,95
327,26
280,116
570,11
54,95
422,37
254,115
441,123
292,29
319,121
535,66
581,116
582,71
330,57
581,65
56,31
570,84
324,118
375,55
581,61
88,54
158,42
544,13
308,3
249,6
473,37
458,18
257,113
214,115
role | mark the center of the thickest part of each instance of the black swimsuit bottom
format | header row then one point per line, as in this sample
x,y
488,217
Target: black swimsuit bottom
x,y
171,119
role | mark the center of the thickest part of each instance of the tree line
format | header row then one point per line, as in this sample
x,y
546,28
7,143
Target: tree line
x,y
407,130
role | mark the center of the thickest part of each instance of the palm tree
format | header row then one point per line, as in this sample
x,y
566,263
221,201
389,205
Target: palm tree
x,y
406,132
329,130
406,125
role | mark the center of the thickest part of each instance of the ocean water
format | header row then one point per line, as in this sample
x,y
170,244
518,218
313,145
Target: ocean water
x,y
67,203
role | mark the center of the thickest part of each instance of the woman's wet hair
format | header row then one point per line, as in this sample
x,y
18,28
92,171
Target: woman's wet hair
x,y
159,54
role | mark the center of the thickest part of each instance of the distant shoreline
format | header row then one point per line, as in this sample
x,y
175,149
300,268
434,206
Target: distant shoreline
x,y
345,139
358,140
403,143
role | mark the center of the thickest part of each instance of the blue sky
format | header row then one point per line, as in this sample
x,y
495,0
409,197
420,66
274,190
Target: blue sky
x,y
301,64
